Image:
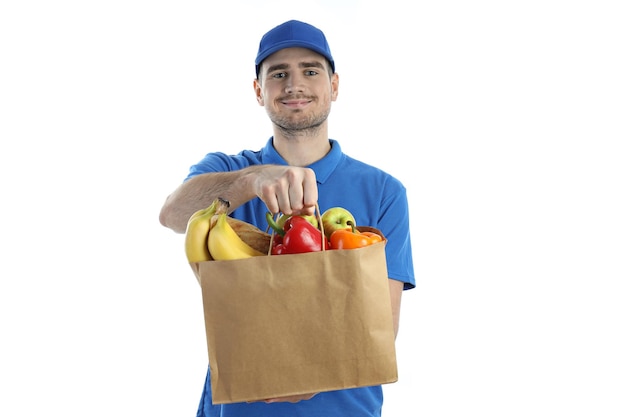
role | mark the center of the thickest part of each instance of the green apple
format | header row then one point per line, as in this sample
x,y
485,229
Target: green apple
x,y
337,218
283,218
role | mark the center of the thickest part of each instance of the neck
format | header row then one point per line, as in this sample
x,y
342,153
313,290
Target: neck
x,y
301,148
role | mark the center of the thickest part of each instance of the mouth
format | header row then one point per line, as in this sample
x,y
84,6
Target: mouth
x,y
296,103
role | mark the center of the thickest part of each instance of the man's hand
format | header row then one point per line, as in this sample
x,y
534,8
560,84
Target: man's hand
x,y
287,189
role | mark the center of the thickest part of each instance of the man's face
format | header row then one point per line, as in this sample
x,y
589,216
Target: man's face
x,y
296,88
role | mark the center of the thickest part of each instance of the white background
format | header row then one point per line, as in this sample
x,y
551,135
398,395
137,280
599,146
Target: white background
x,y
505,121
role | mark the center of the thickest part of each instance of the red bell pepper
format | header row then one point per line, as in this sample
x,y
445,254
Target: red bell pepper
x,y
297,236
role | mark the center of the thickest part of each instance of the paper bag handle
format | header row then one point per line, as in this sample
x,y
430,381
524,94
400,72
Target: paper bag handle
x,y
320,224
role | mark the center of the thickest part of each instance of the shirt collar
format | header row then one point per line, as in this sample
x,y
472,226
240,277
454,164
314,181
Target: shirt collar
x,y
322,168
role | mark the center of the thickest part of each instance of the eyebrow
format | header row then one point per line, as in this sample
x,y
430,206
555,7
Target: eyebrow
x,y
304,64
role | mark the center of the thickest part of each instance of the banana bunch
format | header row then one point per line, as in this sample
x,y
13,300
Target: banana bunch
x,y
213,235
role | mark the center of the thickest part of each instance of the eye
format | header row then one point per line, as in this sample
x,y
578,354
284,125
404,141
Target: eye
x,y
311,72
279,75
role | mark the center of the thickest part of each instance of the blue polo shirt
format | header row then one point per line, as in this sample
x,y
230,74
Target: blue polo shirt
x,y
376,199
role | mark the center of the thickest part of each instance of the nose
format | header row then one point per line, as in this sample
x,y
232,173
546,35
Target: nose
x,y
295,83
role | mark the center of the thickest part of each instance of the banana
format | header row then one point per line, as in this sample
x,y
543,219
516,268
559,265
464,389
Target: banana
x,y
197,233
224,243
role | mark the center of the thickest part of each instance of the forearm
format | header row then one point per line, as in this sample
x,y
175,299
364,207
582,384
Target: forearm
x,y
200,191
287,189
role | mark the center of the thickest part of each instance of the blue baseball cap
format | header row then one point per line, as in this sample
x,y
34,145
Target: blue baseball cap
x,y
291,34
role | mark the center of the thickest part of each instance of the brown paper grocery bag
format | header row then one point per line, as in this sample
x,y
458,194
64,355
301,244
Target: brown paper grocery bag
x,y
293,324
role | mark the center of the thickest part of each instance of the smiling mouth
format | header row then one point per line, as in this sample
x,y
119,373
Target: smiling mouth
x,y
296,103
295,98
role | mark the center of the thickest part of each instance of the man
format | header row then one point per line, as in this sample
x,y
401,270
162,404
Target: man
x,y
299,166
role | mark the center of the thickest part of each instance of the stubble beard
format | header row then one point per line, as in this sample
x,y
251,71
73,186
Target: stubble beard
x,y
296,126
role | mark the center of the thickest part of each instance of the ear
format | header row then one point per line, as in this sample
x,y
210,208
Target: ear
x,y
258,92
334,86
